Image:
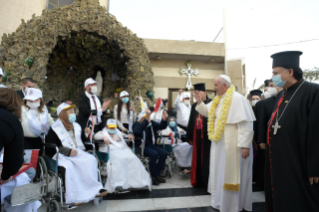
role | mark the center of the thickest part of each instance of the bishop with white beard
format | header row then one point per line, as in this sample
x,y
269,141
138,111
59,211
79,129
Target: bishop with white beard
x,y
230,129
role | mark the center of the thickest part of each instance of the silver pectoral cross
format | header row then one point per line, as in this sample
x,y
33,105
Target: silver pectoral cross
x,y
189,72
276,127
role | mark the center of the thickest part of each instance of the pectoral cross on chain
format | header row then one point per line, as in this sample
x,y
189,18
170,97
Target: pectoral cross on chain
x,y
189,72
276,127
198,120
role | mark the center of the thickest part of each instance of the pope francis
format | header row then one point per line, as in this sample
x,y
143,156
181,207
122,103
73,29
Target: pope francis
x,y
230,129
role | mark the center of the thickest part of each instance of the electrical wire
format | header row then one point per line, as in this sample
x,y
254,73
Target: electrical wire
x,y
218,34
256,47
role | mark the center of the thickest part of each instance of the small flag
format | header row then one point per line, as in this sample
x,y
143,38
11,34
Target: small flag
x,y
91,125
159,105
172,138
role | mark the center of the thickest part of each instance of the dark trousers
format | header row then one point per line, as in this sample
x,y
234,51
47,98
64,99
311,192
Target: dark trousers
x,y
155,153
33,143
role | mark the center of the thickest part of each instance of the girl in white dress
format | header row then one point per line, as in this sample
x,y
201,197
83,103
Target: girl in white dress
x,y
35,119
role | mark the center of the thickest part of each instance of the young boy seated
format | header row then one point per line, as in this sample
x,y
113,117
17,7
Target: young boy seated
x,y
124,169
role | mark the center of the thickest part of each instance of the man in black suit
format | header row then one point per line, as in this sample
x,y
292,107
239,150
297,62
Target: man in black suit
x,y
26,83
90,103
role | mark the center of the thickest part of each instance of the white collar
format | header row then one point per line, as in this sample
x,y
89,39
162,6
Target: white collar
x,y
89,95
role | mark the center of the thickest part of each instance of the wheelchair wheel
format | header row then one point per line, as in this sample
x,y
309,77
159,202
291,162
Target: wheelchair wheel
x,y
54,206
42,173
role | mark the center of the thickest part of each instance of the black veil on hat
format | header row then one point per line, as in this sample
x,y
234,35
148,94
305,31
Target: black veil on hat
x,y
200,87
288,59
256,93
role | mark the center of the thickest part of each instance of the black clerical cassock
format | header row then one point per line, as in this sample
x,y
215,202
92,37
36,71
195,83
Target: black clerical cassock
x,y
197,132
292,154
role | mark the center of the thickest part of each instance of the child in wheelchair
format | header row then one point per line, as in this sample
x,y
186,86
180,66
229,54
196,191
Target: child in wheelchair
x,y
124,169
81,175
182,150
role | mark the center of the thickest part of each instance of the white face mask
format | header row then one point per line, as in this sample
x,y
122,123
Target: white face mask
x,y
186,102
33,105
272,91
253,103
94,89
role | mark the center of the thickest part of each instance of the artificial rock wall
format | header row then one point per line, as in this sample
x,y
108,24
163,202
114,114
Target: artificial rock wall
x,y
82,35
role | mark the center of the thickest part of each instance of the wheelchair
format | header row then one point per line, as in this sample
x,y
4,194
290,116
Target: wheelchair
x,y
26,194
54,177
170,163
103,158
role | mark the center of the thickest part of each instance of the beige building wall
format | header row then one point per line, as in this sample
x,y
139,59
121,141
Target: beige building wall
x,y
166,75
11,13
236,73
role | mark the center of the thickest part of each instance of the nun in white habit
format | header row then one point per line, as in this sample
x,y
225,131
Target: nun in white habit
x,y
124,169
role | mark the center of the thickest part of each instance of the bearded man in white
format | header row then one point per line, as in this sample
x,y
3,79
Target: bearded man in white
x,y
230,129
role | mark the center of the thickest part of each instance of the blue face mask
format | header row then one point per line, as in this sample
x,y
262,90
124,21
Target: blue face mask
x,y
150,124
111,131
278,82
172,123
125,100
72,118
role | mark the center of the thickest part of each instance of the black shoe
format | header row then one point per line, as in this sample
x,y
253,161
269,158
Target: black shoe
x,y
160,179
155,181
119,188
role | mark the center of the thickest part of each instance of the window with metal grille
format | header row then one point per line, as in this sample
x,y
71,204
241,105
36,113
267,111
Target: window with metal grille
x,y
58,3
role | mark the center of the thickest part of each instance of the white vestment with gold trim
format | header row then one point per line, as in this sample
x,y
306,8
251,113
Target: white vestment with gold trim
x,y
227,167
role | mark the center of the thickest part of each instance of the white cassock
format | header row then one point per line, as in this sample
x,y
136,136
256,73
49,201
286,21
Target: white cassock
x,y
7,188
81,176
123,168
227,167
182,151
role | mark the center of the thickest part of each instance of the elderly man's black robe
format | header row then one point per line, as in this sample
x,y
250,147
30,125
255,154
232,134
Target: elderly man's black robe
x,y
201,148
292,155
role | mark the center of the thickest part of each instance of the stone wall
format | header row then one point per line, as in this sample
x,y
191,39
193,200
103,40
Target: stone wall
x,y
82,35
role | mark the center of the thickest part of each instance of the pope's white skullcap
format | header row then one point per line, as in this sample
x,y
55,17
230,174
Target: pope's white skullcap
x,y
225,77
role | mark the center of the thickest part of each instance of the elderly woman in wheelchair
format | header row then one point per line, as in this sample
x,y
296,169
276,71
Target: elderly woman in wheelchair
x,y
81,175
124,169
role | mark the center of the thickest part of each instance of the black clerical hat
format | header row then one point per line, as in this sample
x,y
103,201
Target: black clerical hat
x,y
289,59
255,93
200,87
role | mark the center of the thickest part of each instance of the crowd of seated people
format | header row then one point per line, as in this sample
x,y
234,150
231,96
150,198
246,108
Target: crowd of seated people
x,y
30,123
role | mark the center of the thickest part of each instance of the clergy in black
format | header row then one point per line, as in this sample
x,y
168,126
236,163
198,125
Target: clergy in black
x,y
292,151
197,135
263,110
